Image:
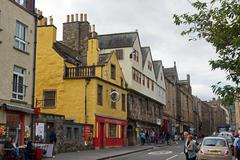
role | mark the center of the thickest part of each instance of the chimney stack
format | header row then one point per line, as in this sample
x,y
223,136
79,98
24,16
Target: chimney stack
x,y
85,17
81,17
72,17
188,77
76,17
174,63
68,18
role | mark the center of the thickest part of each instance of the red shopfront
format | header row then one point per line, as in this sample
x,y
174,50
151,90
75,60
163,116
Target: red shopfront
x,y
110,132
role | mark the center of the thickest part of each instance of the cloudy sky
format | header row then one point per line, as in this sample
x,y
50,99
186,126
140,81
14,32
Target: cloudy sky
x,y
153,20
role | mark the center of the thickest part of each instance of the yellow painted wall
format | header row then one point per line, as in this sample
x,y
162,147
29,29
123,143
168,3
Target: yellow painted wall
x,y
71,92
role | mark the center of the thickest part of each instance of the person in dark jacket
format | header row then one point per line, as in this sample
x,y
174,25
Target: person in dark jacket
x,y
53,140
29,150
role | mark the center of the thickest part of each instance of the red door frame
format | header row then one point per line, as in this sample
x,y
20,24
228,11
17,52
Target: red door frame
x,y
101,135
21,123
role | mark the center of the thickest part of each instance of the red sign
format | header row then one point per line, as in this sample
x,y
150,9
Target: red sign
x,y
111,120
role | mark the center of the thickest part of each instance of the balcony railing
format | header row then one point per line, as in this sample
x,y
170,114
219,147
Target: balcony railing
x,y
79,72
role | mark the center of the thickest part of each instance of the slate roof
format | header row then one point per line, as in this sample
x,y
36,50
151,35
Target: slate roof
x,y
145,51
67,53
104,58
168,72
156,66
117,40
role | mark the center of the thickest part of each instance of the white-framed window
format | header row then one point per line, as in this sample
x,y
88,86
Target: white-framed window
x,y
22,2
20,38
19,88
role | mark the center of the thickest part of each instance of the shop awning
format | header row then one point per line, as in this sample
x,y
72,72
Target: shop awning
x,y
18,108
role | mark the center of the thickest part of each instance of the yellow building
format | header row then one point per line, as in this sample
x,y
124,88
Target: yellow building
x,y
86,87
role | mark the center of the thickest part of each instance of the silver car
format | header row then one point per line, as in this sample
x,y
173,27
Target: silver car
x,y
214,148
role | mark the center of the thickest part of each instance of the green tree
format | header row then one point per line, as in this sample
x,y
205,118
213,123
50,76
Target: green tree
x,y
218,22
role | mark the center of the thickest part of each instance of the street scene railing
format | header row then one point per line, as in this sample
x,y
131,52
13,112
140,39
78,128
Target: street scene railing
x,y
79,72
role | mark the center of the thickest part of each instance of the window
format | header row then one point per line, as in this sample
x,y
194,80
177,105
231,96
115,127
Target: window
x,y
149,65
76,133
123,102
119,54
99,95
69,133
113,104
143,80
153,85
18,83
148,82
113,71
112,130
49,98
20,38
22,2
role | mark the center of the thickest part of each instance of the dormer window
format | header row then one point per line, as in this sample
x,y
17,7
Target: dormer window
x,y
22,2
149,65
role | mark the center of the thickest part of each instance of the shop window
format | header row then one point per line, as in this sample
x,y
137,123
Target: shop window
x,y
119,54
69,133
99,95
22,2
18,83
20,38
112,130
49,98
123,102
113,71
76,133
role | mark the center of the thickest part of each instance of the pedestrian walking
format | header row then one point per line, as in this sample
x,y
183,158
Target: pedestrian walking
x,y
185,134
168,138
147,136
236,145
142,137
157,137
191,148
53,140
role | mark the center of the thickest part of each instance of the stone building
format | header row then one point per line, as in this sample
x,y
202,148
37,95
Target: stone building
x,y
170,111
237,111
196,116
220,115
232,116
146,86
206,119
17,37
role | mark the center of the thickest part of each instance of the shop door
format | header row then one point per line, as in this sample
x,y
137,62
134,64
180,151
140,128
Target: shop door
x,y
101,135
123,135
15,124
130,135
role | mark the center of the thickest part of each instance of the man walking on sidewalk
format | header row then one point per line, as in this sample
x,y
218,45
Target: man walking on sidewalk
x,y
142,137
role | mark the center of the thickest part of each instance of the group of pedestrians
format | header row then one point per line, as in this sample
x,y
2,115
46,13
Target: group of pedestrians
x,y
154,137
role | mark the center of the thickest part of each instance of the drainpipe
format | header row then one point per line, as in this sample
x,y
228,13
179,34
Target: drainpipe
x,y
87,81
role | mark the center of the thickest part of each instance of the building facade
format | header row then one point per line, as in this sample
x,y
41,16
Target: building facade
x,y
237,111
206,118
146,86
17,37
74,80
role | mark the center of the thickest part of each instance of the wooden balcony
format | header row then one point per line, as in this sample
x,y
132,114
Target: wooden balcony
x,y
79,72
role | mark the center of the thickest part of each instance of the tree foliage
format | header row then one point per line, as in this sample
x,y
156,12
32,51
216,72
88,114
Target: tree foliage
x,y
218,22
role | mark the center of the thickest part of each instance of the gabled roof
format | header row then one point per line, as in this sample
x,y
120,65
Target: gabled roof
x,y
117,40
67,53
156,66
145,51
168,72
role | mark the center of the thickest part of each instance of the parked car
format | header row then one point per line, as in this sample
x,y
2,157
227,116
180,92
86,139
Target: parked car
x,y
214,148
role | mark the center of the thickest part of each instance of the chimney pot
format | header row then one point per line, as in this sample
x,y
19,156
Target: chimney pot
x,y
85,17
81,17
93,28
76,17
68,18
51,20
174,63
72,18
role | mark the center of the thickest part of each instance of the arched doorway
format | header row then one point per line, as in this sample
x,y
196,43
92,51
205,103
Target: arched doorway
x,y
130,135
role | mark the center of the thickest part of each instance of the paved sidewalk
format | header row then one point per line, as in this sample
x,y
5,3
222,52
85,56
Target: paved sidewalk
x,y
103,153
